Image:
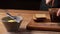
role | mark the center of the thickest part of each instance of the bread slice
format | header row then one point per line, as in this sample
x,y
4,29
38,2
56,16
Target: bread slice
x,y
35,16
40,15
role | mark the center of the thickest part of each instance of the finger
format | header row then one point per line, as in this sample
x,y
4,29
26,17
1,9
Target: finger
x,y
58,12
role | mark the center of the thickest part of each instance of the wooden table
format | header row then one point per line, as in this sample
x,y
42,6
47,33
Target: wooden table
x,y
27,17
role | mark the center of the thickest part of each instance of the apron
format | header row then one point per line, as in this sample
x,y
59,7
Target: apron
x,y
43,5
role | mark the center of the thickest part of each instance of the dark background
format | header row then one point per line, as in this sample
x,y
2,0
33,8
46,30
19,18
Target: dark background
x,y
20,4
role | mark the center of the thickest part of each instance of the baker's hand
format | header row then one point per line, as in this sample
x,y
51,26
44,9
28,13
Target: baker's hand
x,y
48,1
58,12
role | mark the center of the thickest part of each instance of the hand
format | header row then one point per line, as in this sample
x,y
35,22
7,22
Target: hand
x,y
48,1
58,12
